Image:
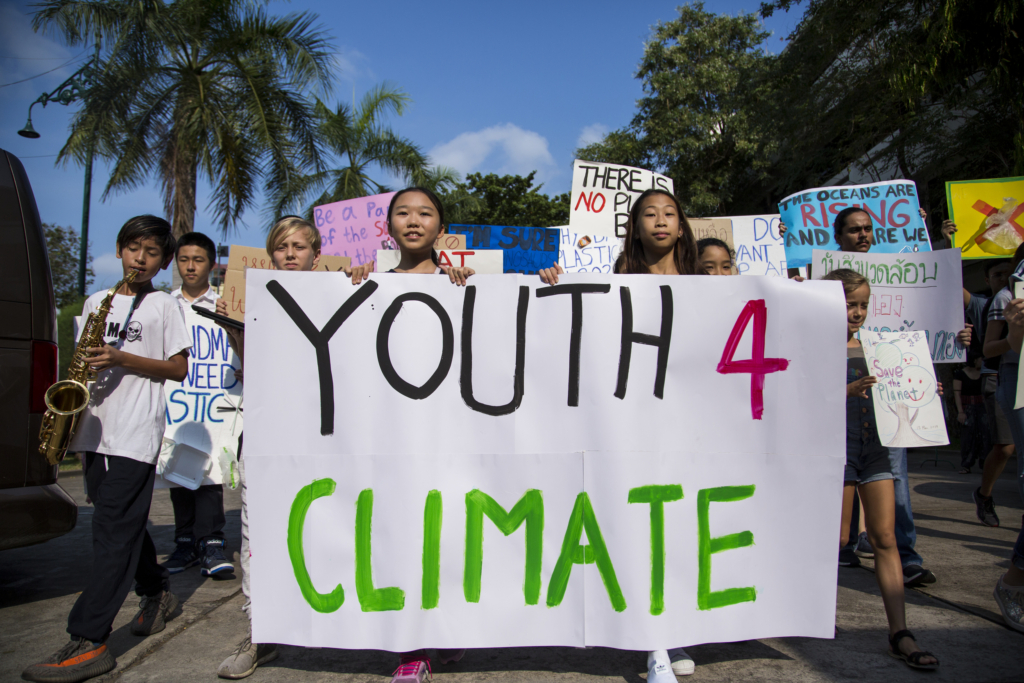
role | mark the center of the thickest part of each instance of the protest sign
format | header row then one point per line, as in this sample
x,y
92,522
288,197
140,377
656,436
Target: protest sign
x,y
909,292
759,248
906,410
450,242
204,410
355,227
527,250
603,194
1018,293
482,261
718,228
614,480
892,206
586,254
242,259
989,216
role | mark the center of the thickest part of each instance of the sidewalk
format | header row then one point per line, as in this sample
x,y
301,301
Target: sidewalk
x,y
956,617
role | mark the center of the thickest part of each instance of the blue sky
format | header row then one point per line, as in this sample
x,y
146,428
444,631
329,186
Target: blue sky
x,y
502,88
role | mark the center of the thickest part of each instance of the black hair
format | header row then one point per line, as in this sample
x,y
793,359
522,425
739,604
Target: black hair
x,y
146,226
631,258
840,222
992,263
973,356
433,200
198,239
713,242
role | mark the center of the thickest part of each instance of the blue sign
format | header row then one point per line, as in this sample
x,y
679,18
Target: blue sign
x,y
892,206
527,250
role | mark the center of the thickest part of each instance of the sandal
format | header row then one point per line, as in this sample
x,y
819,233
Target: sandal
x,y
914,658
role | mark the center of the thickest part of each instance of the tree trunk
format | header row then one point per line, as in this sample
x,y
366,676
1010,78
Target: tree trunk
x,y
905,436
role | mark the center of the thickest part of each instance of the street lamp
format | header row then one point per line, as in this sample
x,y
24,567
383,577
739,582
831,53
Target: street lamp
x,y
73,89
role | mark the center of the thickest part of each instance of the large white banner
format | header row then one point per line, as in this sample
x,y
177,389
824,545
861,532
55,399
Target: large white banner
x,y
916,291
627,450
603,194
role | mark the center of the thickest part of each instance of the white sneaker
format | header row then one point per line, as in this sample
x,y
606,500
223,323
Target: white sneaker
x,y
660,672
682,663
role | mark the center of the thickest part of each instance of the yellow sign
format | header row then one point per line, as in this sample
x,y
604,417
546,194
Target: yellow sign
x,y
989,216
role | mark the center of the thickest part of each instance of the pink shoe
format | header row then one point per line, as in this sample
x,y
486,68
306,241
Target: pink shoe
x,y
450,656
413,671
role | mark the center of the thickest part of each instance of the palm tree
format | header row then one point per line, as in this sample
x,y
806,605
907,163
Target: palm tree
x,y
197,87
361,141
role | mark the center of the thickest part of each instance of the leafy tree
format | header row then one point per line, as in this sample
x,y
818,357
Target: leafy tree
x,y
62,246
701,73
196,87
66,334
362,142
513,200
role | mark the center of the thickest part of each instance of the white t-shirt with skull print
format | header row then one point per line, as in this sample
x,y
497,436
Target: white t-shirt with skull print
x,y
125,415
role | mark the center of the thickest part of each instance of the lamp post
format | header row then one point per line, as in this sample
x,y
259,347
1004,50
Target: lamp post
x,y
75,88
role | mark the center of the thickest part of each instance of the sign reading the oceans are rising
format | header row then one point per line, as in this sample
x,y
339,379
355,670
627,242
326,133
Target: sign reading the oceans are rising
x,y
892,206
569,510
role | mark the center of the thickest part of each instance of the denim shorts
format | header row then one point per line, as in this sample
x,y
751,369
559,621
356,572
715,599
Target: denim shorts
x,y
865,466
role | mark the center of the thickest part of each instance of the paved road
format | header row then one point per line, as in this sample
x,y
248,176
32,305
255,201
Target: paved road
x,y
956,617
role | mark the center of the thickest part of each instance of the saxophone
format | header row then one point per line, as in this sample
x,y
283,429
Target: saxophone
x,y
66,399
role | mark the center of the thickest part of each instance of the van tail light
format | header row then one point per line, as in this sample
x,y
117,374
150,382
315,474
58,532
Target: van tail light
x,y
44,373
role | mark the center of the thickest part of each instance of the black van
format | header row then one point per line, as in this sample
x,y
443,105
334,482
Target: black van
x,y
33,508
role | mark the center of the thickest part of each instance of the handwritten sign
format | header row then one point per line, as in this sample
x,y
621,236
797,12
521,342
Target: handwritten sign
x,y
355,227
527,250
909,292
718,228
989,215
892,206
759,247
603,194
242,259
482,261
906,410
203,410
552,519
586,254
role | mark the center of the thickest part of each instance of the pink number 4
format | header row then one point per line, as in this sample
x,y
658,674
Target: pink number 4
x,y
758,366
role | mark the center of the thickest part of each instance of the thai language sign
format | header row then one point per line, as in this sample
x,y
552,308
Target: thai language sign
x,y
909,292
892,206
603,194
614,482
989,216
355,228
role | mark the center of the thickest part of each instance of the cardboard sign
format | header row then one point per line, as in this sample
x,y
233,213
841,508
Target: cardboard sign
x,y
450,242
483,261
989,216
603,194
892,206
241,259
906,410
759,247
354,228
586,253
909,292
719,228
566,513
527,250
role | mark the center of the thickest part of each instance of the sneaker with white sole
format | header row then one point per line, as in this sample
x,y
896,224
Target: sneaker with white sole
x,y
1011,603
682,663
246,657
413,671
863,547
660,672
213,559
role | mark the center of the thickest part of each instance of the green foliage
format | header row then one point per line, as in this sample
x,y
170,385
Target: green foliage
x,y
66,333
192,88
62,246
513,200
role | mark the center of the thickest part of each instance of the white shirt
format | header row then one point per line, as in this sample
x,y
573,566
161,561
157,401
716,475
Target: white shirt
x,y
207,299
125,415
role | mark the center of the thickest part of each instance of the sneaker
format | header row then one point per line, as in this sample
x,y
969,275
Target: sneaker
x,y
659,672
154,612
848,558
916,575
1011,603
413,671
682,663
246,657
213,558
450,656
985,508
79,660
863,547
183,557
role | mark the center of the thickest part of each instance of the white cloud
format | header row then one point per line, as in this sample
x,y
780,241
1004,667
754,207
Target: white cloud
x,y
36,53
505,149
107,268
595,132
